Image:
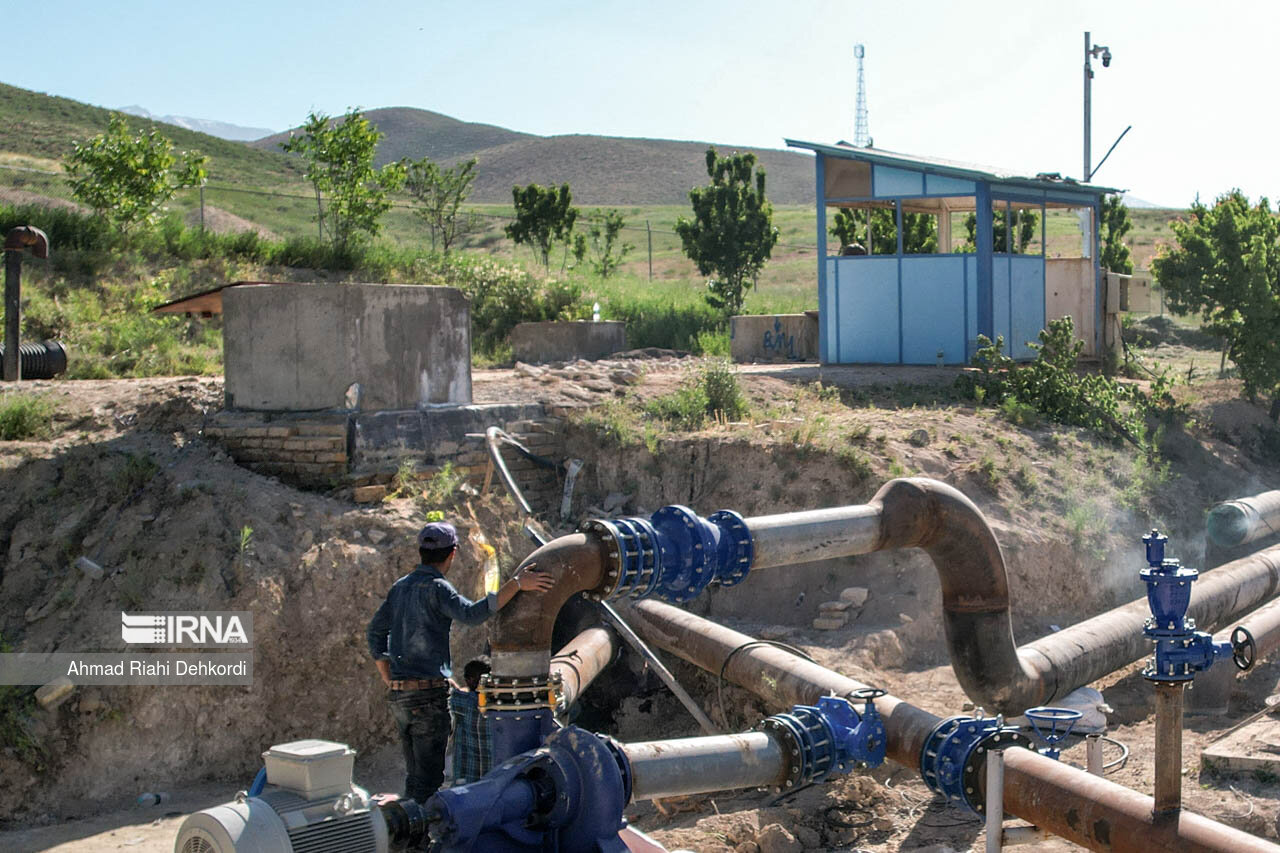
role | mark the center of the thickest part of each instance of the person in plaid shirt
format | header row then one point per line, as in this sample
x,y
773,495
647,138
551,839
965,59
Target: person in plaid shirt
x,y
469,744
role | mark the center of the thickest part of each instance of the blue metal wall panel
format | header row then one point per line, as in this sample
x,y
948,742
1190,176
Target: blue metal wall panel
x,y
933,307
970,304
820,166
1000,299
1026,282
941,185
888,182
867,303
829,315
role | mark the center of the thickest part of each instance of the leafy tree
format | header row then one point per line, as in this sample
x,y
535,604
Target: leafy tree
x,y
126,178
1115,224
339,159
544,216
919,233
606,252
439,194
731,234
1026,222
1227,268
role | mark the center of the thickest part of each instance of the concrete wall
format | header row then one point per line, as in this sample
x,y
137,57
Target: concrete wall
x,y
1069,290
301,347
552,341
774,337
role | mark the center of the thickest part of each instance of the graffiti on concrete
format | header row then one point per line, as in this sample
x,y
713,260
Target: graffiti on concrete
x,y
777,342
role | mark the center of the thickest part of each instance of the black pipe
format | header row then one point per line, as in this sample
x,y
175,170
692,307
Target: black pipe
x,y
41,361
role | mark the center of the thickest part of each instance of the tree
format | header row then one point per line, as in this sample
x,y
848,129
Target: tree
x,y
439,194
1025,223
607,253
731,234
1227,268
126,178
919,233
1115,224
544,217
339,159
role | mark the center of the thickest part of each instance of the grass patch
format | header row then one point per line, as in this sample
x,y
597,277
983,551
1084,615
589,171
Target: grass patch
x,y
25,416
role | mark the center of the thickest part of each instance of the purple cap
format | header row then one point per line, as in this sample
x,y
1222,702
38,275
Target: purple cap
x,y
438,534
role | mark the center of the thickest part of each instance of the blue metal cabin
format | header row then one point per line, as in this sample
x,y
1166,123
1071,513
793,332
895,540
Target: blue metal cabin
x,y
897,308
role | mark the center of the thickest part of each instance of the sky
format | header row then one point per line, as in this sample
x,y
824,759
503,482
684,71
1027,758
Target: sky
x,y
990,83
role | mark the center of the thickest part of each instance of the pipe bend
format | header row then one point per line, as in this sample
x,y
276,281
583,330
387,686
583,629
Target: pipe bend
x,y
520,635
917,512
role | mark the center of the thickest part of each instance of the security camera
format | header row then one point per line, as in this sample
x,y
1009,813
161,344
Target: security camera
x,y
1106,59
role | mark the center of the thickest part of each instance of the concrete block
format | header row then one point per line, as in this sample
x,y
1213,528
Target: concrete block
x,y
331,457
302,347
55,692
280,431
835,606
553,341
368,494
774,337
829,624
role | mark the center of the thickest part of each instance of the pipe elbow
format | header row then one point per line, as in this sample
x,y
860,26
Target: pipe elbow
x,y
917,512
523,627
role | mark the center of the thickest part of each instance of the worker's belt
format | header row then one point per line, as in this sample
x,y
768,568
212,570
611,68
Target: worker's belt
x,y
427,684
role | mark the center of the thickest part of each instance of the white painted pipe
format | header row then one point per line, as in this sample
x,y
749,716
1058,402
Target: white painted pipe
x,y
820,534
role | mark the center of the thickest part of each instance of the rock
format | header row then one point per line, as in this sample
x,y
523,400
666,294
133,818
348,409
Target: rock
x,y
91,702
774,632
377,536
829,624
307,539
747,847
835,606
624,377
774,839
882,824
614,501
89,567
529,370
855,595
368,494
809,838
919,437
54,693
906,620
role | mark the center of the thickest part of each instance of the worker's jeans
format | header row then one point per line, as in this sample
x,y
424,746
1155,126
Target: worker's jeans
x,y
423,719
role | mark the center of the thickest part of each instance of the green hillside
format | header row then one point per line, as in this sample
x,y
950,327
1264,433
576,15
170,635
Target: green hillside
x,y
45,126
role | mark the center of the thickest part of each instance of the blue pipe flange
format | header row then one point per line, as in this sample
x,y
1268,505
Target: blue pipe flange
x,y
736,550
829,737
953,759
675,554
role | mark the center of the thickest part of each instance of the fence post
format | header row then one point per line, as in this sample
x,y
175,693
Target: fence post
x,y
649,232
202,208
319,215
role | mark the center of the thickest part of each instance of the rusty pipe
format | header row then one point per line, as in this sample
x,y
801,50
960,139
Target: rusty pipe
x,y
699,765
1066,801
585,656
1233,523
520,636
1255,637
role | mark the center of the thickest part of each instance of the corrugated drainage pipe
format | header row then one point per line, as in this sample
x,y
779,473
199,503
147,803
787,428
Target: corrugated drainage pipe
x,y
41,361
1067,802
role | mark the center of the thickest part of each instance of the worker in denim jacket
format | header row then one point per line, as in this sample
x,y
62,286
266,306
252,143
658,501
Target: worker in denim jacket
x,y
409,641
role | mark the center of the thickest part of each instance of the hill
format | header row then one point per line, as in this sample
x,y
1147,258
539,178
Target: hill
x,y
45,126
601,169
213,127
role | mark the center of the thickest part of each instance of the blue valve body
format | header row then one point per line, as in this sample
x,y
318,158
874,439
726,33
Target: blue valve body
x,y
831,737
1180,650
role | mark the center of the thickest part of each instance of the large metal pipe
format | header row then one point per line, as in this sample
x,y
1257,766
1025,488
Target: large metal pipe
x,y
585,657
698,765
1066,801
1233,523
1256,636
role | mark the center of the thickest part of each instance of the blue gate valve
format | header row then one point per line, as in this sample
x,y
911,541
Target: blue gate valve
x,y
1052,725
832,736
1181,651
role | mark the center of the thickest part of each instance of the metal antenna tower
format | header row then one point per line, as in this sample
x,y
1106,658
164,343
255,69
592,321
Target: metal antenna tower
x,y
861,133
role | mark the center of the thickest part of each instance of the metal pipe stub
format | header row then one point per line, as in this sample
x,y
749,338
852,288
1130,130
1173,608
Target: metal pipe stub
x,y
674,554
954,757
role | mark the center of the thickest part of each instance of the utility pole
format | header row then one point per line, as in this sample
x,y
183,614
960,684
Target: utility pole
x,y
1091,51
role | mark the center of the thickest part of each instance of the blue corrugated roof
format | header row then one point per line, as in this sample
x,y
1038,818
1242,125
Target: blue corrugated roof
x,y
950,168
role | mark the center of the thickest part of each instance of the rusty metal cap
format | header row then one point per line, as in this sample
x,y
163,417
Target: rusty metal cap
x,y
27,237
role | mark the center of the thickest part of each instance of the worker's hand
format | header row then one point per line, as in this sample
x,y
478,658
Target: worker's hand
x,y
532,580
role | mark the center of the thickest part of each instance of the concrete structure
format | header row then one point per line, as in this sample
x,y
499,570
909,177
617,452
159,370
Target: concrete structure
x,y
891,307
345,346
552,341
774,337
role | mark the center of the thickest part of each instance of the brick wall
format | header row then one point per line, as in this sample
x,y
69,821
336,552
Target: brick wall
x,y
306,451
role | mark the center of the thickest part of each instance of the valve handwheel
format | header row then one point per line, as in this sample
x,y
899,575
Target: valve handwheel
x,y
1244,651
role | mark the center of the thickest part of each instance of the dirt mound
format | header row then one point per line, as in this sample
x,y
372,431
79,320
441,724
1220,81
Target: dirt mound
x,y
10,195
222,221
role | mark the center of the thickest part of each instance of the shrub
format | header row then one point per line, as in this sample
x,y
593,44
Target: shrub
x,y
724,394
25,416
710,392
